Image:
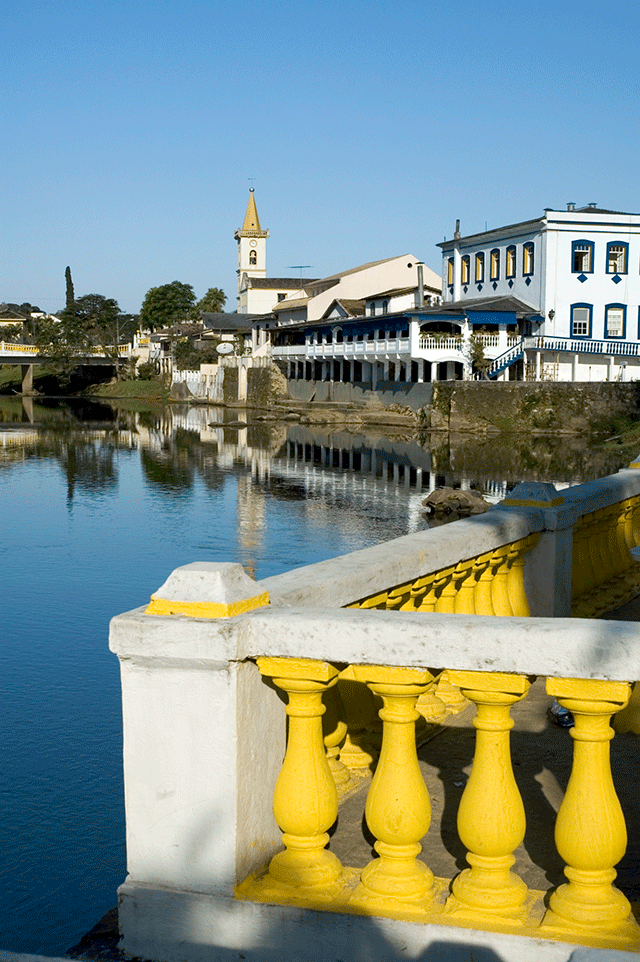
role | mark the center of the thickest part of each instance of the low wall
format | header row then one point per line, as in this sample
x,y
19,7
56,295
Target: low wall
x,y
532,407
415,396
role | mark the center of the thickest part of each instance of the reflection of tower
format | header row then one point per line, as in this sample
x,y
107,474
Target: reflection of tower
x,y
252,255
251,521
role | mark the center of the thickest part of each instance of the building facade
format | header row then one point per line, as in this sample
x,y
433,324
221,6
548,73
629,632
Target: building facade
x,y
579,273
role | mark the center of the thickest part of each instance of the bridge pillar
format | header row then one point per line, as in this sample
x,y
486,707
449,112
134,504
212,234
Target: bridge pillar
x,y
27,378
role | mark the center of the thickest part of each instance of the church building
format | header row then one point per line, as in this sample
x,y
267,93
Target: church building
x,y
258,293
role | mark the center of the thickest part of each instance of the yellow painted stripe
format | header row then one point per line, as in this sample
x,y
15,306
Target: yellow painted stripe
x,y
205,609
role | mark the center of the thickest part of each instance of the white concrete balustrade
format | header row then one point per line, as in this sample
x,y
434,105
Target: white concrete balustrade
x,y
205,732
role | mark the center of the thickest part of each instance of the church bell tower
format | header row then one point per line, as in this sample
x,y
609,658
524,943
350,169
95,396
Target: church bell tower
x,y
252,252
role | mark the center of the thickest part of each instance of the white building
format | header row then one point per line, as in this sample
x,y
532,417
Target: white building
x,y
579,272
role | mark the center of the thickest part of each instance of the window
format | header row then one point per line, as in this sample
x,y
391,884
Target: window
x,y
494,263
479,268
614,320
527,260
617,258
582,257
511,262
581,320
465,269
253,257
385,307
450,271
281,297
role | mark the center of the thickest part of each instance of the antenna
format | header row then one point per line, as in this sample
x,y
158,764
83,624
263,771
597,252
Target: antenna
x,y
299,267
252,180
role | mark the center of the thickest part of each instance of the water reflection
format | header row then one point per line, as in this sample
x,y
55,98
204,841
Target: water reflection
x,y
178,443
101,503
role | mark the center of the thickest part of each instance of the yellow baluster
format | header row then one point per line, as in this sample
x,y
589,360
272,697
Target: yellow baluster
x,y
305,800
499,588
398,597
431,706
515,577
450,694
590,831
491,820
465,576
334,730
445,591
619,547
483,603
398,811
428,600
582,577
357,750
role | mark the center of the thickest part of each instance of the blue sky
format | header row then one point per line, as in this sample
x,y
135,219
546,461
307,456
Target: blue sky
x,y
131,130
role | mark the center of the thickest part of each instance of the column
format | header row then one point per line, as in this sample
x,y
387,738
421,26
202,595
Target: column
x,y
491,819
590,830
305,800
398,810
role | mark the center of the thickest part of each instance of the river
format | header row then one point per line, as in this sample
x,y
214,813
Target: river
x,y
99,504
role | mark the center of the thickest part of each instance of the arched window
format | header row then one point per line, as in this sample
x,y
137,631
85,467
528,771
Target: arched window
x,y
385,307
465,269
617,257
511,261
582,257
450,271
253,257
527,260
479,268
494,268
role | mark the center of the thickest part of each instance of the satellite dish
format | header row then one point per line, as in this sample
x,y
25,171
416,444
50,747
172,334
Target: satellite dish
x,y
225,348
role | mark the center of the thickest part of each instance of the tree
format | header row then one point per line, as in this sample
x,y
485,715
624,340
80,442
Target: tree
x,y
91,322
212,303
70,295
167,305
479,361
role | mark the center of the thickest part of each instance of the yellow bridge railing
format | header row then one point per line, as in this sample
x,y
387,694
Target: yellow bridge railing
x,y
590,830
487,584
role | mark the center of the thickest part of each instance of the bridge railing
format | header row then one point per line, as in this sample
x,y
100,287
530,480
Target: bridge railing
x,y
227,840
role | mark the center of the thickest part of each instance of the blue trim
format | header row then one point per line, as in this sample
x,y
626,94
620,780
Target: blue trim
x,y
450,270
615,243
616,337
508,273
581,337
581,269
492,317
530,245
496,276
479,260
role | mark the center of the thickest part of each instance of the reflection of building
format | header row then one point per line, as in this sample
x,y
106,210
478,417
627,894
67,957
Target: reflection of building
x,y
251,511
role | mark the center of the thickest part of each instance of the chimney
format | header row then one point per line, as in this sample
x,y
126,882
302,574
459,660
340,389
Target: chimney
x,y
420,299
592,204
456,235
571,205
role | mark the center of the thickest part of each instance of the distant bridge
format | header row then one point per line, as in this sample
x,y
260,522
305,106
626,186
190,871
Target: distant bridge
x,y
26,355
